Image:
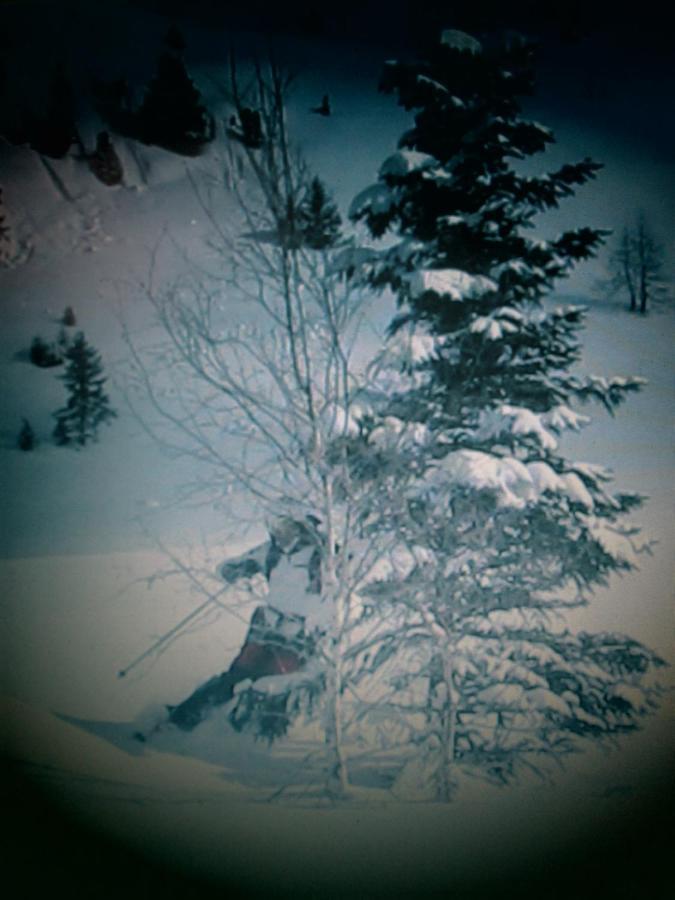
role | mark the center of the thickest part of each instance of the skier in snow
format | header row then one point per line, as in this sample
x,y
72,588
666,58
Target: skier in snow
x,y
280,638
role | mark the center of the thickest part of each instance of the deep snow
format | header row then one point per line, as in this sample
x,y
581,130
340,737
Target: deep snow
x,y
78,573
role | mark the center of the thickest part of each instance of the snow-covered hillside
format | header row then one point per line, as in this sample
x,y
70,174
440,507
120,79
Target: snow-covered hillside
x,y
84,584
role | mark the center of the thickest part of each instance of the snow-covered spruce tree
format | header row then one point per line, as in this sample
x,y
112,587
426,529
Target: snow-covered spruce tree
x,y
88,406
505,533
264,409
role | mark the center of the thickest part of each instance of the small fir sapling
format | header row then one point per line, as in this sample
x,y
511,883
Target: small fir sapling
x,y
26,440
88,406
318,218
68,319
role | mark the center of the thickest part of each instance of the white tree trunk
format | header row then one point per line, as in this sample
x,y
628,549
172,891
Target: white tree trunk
x,y
337,782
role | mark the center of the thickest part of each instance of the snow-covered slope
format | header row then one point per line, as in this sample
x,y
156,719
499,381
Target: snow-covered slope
x,y
79,577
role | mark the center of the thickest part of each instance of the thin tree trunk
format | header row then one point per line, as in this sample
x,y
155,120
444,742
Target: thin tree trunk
x,y
449,730
642,262
337,784
643,291
630,286
338,773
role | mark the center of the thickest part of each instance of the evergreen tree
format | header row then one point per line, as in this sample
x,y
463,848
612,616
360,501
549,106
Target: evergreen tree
x,y
68,318
172,114
319,220
174,40
26,439
503,534
87,406
54,133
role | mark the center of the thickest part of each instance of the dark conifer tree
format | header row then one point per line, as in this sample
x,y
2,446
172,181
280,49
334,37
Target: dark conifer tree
x,y
26,439
88,405
172,114
54,133
319,220
174,40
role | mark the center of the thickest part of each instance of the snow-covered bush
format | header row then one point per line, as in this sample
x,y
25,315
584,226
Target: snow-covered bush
x,y
44,355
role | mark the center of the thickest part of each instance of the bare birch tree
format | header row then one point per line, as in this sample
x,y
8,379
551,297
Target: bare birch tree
x,y
265,407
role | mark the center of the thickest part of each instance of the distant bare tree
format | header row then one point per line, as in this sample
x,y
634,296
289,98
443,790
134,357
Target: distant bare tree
x,y
636,266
